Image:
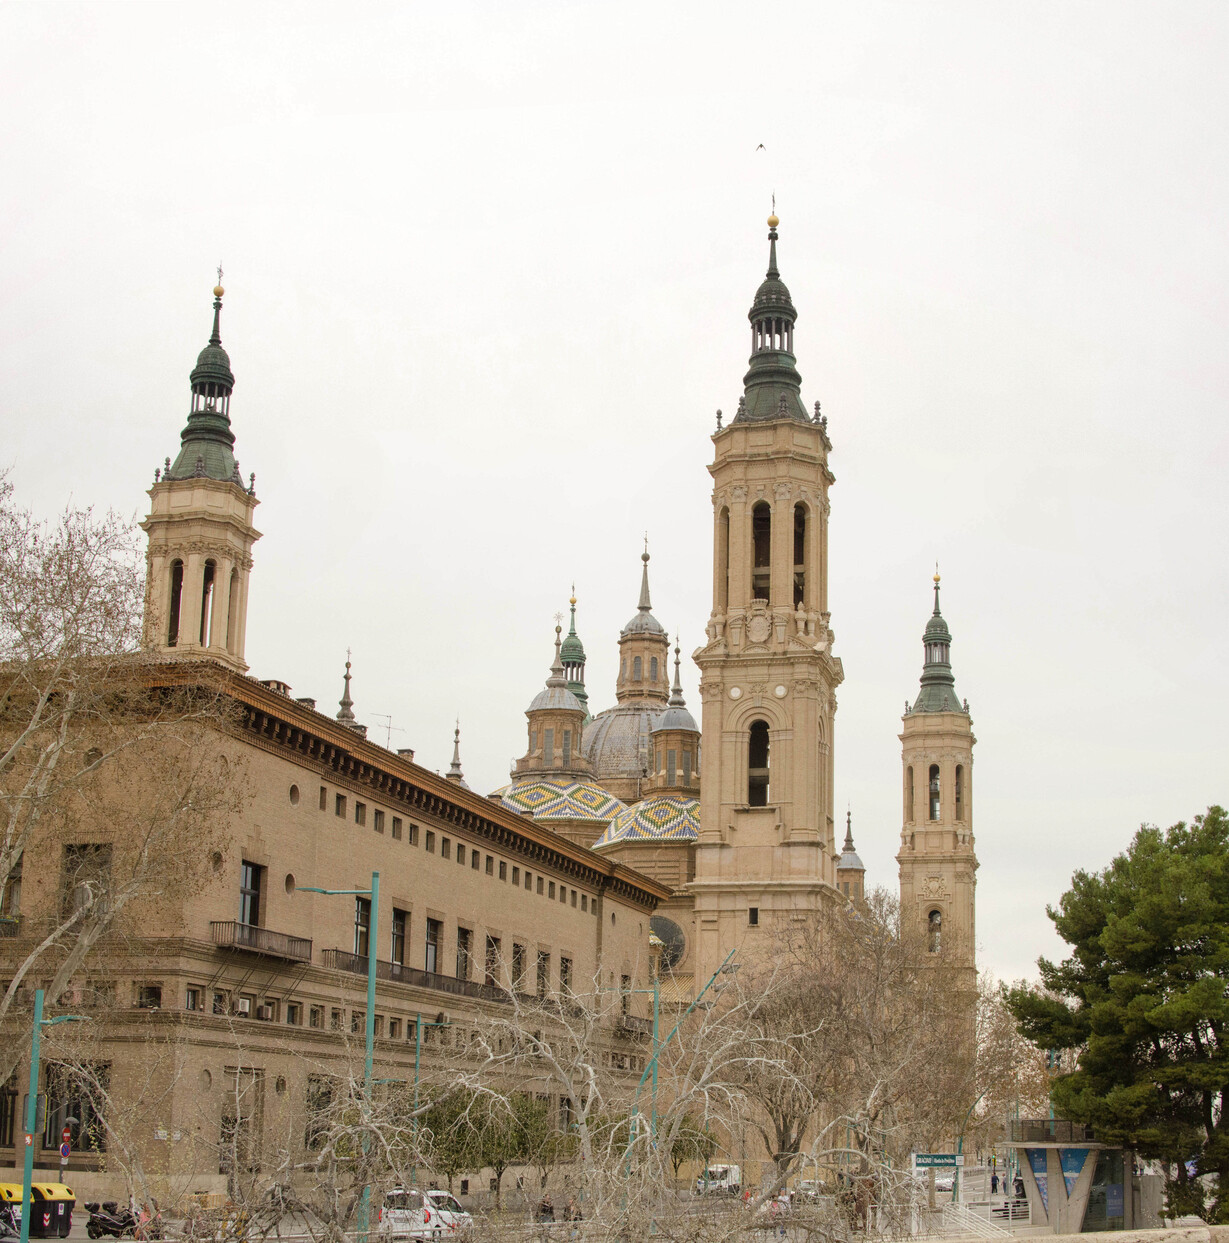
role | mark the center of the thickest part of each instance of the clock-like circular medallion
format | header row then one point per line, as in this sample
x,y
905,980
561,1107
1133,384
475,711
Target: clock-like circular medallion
x,y
779,692
736,692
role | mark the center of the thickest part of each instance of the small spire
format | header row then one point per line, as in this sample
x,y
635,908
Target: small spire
x,y
936,612
772,242
645,604
848,830
556,669
346,711
676,691
454,769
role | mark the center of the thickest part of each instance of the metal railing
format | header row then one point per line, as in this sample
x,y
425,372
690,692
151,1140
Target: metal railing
x,y
399,973
231,934
633,1023
1050,1131
10,925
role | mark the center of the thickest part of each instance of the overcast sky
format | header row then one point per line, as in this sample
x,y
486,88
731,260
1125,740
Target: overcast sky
x,y
488,269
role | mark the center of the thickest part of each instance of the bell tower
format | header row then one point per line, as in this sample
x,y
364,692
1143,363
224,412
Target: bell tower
x,y
937,859
199,526
765,852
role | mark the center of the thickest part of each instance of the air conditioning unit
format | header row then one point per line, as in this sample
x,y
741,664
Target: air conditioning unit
x,y
265,1013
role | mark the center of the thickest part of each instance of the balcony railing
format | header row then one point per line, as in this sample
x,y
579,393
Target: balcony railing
x,y
398,973
10,925
1050,1131
634,1023
231,934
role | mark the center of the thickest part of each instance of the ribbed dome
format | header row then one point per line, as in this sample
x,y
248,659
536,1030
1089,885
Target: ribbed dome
x,y
545,799
676,718
616,742
659,818
771,295
849,859
213,367
556,697
643,623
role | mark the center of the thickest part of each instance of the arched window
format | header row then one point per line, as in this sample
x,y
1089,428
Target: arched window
x,y
232,611
761,550
757,765
959,791
637,669
909,794
172,630
207,602
934,931
933,790
652,668
723,559
800,555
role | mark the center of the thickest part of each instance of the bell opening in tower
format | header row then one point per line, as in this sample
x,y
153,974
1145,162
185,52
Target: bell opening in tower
x,y
934,931
959,791
934,791
909,795
800,555
723,560
172,630
761,550
757,765
207,603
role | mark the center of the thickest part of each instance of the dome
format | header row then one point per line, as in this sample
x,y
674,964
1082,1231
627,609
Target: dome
x,y
659,818
643,623
213,367
616,741
545,800
771,295
556,697
676,718
849,861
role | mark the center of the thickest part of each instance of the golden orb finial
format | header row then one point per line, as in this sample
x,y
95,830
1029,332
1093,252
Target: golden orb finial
x,y
936,573
773,221
572,600
218,291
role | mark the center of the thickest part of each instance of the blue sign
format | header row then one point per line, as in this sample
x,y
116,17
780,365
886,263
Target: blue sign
x,y
1113,1199
1037,1163
65,1150
1073,1162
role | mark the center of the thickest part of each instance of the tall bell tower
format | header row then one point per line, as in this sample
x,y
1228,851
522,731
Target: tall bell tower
x,y
937,858
766,852
199,526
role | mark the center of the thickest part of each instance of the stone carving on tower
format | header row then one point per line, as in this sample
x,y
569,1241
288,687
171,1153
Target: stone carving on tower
x,y
937,859
768,678
199,554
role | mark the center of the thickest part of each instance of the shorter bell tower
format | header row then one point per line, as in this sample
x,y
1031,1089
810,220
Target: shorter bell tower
x,y
199,555
937,859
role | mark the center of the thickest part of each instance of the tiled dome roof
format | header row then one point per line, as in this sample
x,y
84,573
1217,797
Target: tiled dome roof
x,y
616,741
543,799
659,818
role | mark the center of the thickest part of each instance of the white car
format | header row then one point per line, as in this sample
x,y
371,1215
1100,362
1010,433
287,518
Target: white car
x,y
408,1213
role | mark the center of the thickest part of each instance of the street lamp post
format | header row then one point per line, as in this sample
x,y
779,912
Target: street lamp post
x,y
960,1146
373,934
418,1026
32,1104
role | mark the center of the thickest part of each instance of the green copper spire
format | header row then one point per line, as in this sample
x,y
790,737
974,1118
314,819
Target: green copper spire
x,y
572,652
207,442
938,693
772,385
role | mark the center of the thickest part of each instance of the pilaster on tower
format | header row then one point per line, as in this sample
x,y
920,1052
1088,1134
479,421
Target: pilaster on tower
x,y
937,857
768,677
199,527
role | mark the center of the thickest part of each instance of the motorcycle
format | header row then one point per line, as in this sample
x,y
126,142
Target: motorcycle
x,y
108,1218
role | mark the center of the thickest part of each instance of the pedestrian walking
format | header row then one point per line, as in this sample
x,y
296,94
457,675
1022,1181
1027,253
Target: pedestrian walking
x,y
994,1184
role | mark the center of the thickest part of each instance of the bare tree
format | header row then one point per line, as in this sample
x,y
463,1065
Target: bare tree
x,y
114,774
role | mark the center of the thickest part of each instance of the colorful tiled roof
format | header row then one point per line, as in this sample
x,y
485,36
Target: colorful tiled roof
x,y
658,818
542,799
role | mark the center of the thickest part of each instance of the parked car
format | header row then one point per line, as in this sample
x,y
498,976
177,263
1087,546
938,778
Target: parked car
x,y
409,1213
726,1178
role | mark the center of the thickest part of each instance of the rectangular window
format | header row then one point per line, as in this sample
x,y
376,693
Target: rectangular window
x,y
567,748
339,805
315,1017
687,768
584,902
518,967
490,866
516,876
445,847
503,870
394,1029
671,766
220,1003
192,999
465,940
335,1018
8,1113
573,897
294,1014
548,754
753,916
149,996
400,924
625,993
324,798
434,927
379,821
319,1107
360,812
460,854
543,972
551,895
430,844
492,962
242,1120
475,861
362,926
396,828
565,975
541,886
75,1100
251,876
413,835
87,875
529,880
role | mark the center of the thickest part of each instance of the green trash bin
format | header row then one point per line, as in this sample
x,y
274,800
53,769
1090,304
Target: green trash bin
x,y
51,1216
